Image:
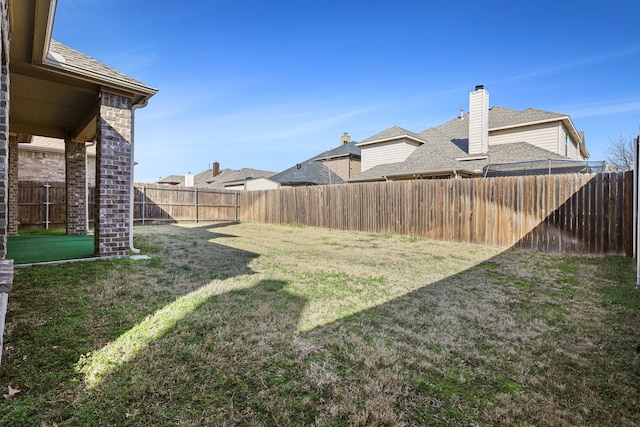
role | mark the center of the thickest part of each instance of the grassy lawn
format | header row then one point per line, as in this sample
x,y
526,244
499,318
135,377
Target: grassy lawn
x,y
281,325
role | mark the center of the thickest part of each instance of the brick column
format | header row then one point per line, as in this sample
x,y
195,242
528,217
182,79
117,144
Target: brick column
x,y
12,208
4,136
113,176
6,265
75,161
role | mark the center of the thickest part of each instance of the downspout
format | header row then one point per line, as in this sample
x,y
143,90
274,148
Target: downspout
x,y
131,189
86,184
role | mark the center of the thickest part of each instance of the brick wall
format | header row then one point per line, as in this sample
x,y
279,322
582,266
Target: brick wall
x,y
76,188
4,129
48,166
113,182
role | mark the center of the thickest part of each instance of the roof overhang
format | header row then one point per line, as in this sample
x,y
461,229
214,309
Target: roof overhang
x,y
50,96
337,156
393,138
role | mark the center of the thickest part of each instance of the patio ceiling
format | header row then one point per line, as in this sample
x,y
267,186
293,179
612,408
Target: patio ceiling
x,y
54,89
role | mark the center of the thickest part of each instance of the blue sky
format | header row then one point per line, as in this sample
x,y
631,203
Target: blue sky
x,y
266,84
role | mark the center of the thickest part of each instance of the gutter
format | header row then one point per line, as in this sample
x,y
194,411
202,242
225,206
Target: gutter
x,y
134,107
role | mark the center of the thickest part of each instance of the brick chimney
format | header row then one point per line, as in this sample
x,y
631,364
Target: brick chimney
x,y
345,139
216,169
479,121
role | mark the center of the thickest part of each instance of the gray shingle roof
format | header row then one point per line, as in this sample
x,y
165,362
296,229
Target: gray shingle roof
x,y
378,172
69,59
314,172
445,147
503,117
207,180
391,133
229,175
349,148
430,159
172,179
498,117
309,172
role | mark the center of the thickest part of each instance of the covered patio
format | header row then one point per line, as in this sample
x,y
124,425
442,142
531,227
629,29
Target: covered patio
x,y
59,92
52,90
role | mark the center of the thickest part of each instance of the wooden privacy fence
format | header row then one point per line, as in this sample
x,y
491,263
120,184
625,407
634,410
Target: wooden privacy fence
x,y
155,203
43,204
589,214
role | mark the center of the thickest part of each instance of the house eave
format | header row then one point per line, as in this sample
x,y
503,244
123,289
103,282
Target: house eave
x,y
108,83
337,156
393,138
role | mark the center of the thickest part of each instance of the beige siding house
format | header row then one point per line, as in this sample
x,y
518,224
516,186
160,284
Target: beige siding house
x,y
387,150
252,184
467,145
345,168
555,135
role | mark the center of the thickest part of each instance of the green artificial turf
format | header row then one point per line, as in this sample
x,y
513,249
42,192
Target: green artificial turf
x,y
33,248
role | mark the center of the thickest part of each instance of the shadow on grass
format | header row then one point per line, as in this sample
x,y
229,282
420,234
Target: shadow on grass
x,y
201,362
68,311
477,347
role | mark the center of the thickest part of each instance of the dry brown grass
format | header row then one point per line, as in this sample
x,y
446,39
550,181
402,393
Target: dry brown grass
x,y
282,325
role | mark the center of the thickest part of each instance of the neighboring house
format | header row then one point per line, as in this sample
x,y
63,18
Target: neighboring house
x,y
218,179
467,146
43,160
251,184
334,166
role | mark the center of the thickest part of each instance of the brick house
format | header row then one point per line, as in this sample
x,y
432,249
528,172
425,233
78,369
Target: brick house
x,y
58,92
43,160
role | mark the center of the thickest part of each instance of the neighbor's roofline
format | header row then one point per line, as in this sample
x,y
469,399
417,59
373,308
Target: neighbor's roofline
x,y
335,156
392,138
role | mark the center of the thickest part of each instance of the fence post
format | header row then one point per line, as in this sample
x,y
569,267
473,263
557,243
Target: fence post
x,y
636,201
195,189
46,205
237,204
144,202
